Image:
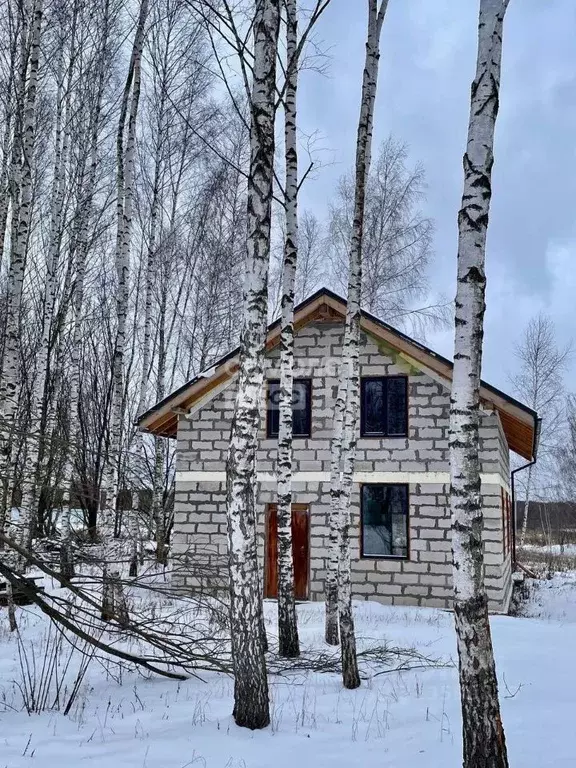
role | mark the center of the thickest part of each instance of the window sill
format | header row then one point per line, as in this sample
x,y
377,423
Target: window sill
x,y
378,436
294,437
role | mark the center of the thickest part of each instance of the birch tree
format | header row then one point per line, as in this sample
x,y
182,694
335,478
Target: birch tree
x,y
164,19
287,622
310,267
61,149
566,455
21,194
539,385
87,184
343,446
113,601
397,239
483,735
9,107
251,704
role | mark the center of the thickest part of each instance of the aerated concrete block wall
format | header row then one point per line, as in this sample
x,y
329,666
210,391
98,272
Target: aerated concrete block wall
x,y
425,577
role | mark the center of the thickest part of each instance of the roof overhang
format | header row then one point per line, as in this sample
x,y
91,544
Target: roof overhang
x,y
518,421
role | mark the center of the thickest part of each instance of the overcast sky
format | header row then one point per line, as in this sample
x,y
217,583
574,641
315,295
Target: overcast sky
x,y
427,64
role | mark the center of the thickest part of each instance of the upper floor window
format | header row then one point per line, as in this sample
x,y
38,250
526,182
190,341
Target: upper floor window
x,y
384,521
301,408
384,406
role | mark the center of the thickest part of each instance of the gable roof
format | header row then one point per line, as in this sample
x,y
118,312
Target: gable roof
x,y
519,422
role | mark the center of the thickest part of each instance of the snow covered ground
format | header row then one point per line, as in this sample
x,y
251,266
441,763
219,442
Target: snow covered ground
x,y
552,599
398,720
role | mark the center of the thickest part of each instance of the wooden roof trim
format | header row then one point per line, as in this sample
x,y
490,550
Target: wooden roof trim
x,y
517,422
156,421
314,311
210,393
520,440
436,365
163,421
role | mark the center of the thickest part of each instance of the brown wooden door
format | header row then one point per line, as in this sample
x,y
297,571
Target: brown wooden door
x,y
300,550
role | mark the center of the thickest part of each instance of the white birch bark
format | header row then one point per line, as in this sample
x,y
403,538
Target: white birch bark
x,y
147,340
161,53
31,487
22,199
19,61
251,703
526,508
343,446
331,629
288,642
483,735
6,141
151,257
139,447
4,177
113,600
81,256
157,506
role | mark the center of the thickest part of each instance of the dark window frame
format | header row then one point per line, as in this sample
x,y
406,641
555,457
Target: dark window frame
x,y
403,558
380,435
300,436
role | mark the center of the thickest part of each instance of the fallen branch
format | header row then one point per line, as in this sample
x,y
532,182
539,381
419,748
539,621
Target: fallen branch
x,y
59,618
369,660
171,648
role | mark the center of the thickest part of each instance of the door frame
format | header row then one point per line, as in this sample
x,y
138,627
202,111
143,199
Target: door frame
x,y
301,508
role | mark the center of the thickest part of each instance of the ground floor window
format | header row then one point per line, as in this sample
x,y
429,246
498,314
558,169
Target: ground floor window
x,y
384,521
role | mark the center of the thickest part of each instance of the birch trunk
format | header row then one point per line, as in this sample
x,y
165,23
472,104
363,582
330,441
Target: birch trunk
x,y
151,257
158,520
157,505
113,600
5,176
151,270
483,735
331,630
526,508
339,617
251,704
139,447
61,147
22,198
6,152
288,642
19,62
82,246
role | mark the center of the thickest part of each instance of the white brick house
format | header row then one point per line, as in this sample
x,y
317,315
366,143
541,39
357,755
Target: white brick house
x,y
400,518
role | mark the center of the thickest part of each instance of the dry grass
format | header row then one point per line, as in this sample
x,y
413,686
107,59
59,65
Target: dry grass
x,y
547,552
